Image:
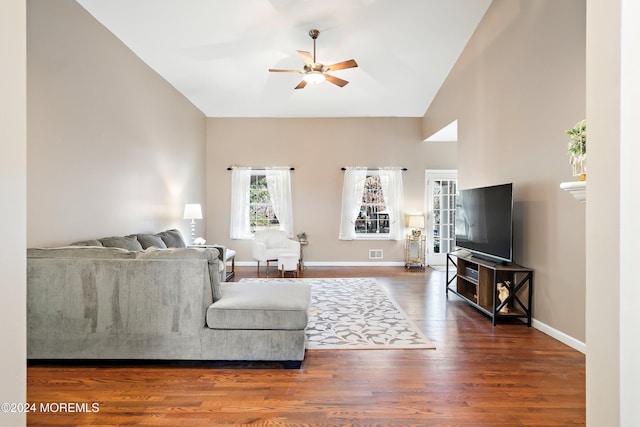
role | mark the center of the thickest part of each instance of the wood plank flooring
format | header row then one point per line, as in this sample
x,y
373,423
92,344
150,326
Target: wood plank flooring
x,y
479,375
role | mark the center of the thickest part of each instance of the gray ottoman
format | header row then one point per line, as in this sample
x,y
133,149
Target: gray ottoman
x,y
270,307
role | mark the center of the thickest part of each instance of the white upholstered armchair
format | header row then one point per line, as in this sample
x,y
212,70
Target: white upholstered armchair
x,y
268,244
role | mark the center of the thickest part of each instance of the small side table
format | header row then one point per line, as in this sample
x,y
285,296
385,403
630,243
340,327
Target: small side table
x,y
303,243
414,251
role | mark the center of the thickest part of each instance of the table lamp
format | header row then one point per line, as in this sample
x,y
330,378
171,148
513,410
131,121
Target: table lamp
x,y
193,212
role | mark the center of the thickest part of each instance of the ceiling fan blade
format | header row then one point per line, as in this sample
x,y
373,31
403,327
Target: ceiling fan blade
x,y
336,81
306,57
341,65
273,70
302,84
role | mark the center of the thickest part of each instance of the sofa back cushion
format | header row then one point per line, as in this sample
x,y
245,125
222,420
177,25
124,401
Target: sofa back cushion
x,y
92,242
210,254
124,242
80,252
150,240
172,239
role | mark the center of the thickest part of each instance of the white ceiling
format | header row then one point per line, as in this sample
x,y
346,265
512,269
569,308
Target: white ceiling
x,y
217,52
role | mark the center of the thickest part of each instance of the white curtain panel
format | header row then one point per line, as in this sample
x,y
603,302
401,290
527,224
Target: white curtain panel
x,y
393,192
240,182
279,186
352,191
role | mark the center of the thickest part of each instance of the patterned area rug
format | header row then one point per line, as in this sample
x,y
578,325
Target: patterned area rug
x,y
356,313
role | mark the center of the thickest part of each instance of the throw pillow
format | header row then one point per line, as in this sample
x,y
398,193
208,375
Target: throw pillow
x,y
129,243
172,238
150,240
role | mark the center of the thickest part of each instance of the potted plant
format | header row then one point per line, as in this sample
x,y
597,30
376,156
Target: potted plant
x,y
302,236
577,149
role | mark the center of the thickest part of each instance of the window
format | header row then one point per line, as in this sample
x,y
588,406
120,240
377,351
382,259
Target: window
x,y
260,199
373,216
372,204
261,214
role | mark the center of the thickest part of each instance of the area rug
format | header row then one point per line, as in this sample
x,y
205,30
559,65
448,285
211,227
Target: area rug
x,y
356,313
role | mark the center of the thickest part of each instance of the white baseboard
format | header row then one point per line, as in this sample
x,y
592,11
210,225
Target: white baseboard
x,y
354,264
560,336
334,264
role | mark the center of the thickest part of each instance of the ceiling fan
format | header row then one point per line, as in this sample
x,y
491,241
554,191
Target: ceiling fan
x,y
314,72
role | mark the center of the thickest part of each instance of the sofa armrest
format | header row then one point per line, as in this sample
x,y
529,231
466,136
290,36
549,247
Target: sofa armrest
x,y
222,256
211,254
221,250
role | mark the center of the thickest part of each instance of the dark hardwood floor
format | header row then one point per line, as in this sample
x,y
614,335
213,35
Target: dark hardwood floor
x,y
479,375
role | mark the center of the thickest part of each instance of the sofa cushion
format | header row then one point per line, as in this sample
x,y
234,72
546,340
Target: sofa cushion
x,y
87,243
124,242
80,252
264,306
172,239
210,254
149,240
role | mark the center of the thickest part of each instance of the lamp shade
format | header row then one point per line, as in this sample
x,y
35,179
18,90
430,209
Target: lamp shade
x,y
416,221
192,211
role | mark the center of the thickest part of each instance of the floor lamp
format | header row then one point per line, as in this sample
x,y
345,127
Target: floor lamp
x,y
193,212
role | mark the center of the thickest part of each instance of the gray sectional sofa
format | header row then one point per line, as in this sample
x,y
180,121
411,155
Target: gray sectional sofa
x,y
99,301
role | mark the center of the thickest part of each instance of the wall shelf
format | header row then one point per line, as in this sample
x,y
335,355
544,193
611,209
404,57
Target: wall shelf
x,y
577,189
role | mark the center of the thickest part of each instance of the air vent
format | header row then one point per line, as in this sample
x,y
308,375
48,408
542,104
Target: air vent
x,y
375,254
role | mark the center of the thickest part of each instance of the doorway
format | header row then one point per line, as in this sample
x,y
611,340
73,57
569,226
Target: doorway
x,y
441,188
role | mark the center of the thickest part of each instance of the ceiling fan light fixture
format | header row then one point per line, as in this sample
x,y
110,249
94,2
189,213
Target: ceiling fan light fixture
x,y
314,77
313,72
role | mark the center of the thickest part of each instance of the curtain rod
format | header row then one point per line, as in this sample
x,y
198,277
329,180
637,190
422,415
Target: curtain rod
x,y
230,168
374,169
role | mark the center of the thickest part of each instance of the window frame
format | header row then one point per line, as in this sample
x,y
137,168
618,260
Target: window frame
x,y
279,190
373,235
253,228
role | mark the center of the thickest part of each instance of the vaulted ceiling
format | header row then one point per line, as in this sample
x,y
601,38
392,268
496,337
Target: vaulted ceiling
x,y
217,52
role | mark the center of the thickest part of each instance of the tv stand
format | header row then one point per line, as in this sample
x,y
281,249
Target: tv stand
x,y
476,280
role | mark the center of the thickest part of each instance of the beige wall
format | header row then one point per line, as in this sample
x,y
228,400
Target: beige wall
x,y
613,91
13,193
518,85
603,192
112,148
318,148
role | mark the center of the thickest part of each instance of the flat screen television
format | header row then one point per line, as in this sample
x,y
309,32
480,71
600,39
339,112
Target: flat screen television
x,y
484,221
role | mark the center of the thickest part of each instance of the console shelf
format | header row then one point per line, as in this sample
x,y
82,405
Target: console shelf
x,y
476,280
